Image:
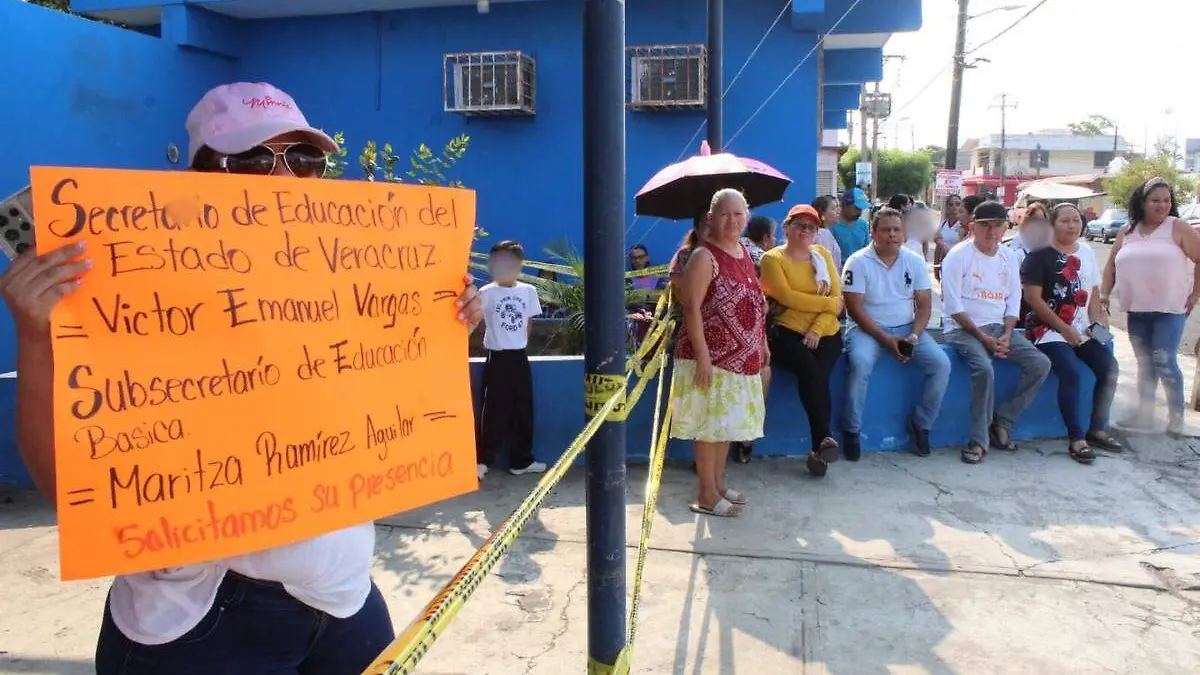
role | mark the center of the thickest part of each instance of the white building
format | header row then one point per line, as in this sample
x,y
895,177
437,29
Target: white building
x,y
1033,155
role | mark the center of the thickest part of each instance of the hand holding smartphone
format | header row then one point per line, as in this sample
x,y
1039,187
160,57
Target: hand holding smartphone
x,y
16,223
906,348
1099,332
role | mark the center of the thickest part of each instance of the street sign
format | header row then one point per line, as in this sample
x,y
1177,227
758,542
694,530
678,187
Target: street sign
x,y
862,174
948,182
877,105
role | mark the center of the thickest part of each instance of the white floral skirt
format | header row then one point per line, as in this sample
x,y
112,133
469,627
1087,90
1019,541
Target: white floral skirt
x,y
730,409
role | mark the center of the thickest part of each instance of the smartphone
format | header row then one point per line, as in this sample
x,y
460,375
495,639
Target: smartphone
x,y
1099,332
16,223
906,348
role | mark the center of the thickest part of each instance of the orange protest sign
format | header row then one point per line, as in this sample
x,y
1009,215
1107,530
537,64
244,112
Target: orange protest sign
x,y
251,361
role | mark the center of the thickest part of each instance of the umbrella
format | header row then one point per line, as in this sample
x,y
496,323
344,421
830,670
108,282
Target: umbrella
x,y
685,189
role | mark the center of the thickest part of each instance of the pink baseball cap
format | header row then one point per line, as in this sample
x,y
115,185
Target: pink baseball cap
x,y
233,118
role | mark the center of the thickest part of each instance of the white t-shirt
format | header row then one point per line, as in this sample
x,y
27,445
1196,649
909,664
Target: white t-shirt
x,y
887,291
916,246
986,287
949,232
330,573
507,311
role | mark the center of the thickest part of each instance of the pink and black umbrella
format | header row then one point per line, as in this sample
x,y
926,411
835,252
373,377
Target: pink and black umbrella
x,y
685,189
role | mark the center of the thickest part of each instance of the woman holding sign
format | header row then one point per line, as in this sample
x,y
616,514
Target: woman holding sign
x,y
305,608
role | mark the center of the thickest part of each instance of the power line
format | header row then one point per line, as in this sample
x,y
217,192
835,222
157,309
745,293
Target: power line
x,y
792,74
924,88
687,146
770,96
1014,24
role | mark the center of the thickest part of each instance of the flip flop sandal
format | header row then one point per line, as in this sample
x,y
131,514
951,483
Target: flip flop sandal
x,y
736,498
994,441
829,451
1083,455
1105,441
973,454
816,466
722,509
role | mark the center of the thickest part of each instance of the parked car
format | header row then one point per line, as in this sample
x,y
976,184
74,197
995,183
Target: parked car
x,y
1106,227
1191,214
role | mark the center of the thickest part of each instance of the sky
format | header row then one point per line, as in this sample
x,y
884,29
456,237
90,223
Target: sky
x,y
1068,59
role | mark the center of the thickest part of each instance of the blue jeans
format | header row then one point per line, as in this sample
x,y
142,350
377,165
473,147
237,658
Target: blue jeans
x,y
928,356
1067,363
1155,338
255,628
1033,365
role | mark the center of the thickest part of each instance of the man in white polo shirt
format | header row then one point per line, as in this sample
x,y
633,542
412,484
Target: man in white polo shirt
x,y
889,298
981,300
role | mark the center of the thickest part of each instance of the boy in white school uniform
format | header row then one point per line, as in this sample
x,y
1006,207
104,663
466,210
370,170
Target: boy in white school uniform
x,y
981,300
507,418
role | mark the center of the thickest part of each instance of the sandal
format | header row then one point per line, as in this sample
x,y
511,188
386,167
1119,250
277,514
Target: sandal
x,y
1081,453
740,452
1175,427
994,440
816,466
973,454
829,450
736,498
1105,441
722,509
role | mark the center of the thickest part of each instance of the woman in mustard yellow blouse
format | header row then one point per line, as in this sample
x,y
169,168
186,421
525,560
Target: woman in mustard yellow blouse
x,y
805,286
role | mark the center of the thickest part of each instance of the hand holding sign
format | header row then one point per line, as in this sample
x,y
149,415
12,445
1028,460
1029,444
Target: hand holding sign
x,y
248,362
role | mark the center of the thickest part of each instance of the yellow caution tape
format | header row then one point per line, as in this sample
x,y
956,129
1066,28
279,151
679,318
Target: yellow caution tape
x,y
406,651
598,389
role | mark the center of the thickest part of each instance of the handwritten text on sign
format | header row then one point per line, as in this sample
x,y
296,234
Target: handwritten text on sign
x,y
251,361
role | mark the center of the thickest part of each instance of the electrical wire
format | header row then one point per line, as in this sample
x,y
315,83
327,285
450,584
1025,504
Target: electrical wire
x,y
793,72
924,88
687,146
1014,24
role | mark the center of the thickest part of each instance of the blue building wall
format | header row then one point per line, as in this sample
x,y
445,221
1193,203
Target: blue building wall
x,y
379,76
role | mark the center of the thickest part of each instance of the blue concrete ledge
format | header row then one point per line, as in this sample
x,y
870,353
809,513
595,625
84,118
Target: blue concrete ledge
x,y
558,412
894,390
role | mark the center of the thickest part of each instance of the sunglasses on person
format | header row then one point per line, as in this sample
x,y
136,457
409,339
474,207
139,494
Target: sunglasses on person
x,y
303,160
803,225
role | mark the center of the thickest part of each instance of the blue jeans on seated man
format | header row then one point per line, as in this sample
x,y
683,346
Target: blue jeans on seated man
x,y
256,628
1068,363
864,352
985,412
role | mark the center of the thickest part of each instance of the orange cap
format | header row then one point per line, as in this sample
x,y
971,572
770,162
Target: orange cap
x,y
803,211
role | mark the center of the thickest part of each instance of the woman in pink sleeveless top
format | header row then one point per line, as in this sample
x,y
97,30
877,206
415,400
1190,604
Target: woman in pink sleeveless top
x,y
1152,266
718,395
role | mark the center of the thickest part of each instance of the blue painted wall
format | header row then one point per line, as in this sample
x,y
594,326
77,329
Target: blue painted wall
x,y
893,393
379,76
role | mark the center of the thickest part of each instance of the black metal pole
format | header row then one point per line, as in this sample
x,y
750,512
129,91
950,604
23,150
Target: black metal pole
x,y
604,316
716,77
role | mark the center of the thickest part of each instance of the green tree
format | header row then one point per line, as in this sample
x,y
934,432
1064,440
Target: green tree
x,y
899,171
60,5
1121,186
937,154
1092,125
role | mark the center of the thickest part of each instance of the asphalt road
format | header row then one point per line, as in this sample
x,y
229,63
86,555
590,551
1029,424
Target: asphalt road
x,y
1191,333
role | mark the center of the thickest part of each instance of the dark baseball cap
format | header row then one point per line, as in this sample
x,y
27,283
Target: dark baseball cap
x,y
990,211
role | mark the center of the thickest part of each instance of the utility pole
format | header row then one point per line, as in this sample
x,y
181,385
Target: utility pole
x,y
716,84
1002,165
875,149
960,47
604,315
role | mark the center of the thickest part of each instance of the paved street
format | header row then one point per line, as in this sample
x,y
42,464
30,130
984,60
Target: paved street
x,y
1026,564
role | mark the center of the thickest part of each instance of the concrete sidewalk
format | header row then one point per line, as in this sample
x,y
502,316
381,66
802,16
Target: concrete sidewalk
x,y
1028,563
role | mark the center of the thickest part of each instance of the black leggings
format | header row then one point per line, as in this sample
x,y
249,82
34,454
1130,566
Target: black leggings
x,y
811,368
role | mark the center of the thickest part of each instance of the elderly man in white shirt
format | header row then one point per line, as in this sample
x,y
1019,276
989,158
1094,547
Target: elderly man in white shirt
x,y
889,298
981,300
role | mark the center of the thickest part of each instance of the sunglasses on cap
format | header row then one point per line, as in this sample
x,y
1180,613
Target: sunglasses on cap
x,y
303,160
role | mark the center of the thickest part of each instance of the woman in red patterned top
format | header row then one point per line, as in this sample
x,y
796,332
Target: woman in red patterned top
x,y
718,395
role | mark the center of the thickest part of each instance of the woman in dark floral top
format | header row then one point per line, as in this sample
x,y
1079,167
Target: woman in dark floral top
x,y
1061,283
